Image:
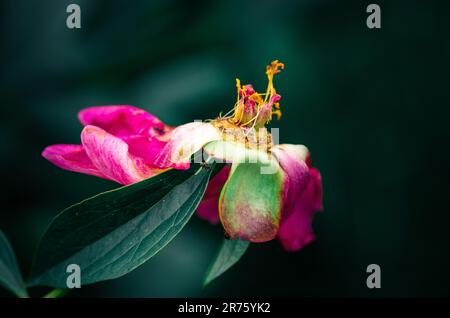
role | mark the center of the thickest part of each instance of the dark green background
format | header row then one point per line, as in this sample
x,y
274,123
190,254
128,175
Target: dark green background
x,y
372,106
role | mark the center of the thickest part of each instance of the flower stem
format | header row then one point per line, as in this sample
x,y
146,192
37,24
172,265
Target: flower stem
x,y
57,293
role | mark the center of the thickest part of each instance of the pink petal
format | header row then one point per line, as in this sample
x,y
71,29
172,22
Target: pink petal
x,y
209,207
111,156
147,148
184,141
292,161
72,158
296,231
316,193
302,199
144,133
123,121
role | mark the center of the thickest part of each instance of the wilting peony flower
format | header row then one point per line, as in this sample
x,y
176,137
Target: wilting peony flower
x,y
267,191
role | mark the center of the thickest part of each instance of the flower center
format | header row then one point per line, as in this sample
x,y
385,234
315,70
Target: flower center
x,y
253,109
252,112
250,137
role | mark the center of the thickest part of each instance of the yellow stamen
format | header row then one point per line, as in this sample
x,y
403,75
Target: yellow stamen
x,y
259,99
271,70
277,112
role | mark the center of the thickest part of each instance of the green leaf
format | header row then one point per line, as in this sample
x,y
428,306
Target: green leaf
x,y
229,254
10,276
114,232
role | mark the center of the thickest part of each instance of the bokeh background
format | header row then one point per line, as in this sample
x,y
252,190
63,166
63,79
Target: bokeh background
x,y
372,106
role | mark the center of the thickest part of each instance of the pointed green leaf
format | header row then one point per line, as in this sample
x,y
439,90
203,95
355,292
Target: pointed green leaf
x,y
229,254
10,276
112,233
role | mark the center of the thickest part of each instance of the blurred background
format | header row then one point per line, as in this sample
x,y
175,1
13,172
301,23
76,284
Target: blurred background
x,y
371,105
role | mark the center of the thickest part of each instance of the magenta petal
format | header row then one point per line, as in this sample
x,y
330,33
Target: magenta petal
x,y
291,159
209,207
315,195
302,197
111,157
123,121
296,231
147,148
71,157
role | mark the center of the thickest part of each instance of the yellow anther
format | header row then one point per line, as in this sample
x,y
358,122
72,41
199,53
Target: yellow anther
x,y
277,112
274,68
271,70
257,99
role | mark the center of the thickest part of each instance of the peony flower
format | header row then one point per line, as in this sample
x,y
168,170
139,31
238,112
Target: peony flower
x,y
266,190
